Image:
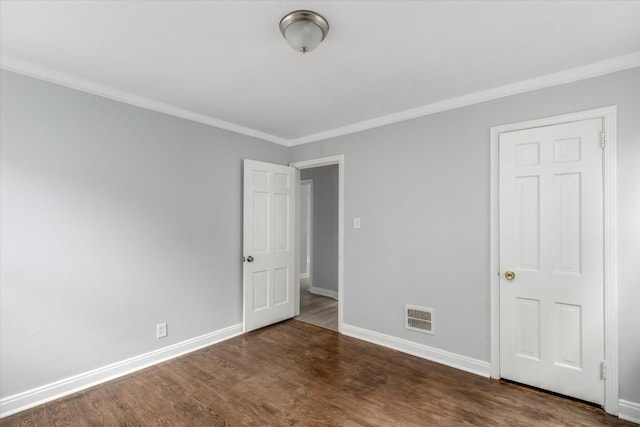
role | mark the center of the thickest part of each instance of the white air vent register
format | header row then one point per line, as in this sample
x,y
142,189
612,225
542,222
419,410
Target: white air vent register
x,y
419,319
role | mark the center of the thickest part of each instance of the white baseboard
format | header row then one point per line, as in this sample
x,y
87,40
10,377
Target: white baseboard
x,y
629,411
454,360
37,396
324,292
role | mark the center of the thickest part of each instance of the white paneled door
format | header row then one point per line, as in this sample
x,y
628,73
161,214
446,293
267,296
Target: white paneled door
x,y
551,258
269,232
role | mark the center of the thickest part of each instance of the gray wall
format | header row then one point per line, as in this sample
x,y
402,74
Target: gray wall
x,y
422,189
324,262
113,219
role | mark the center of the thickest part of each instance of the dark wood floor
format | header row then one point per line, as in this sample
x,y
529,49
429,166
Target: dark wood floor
x,y
294,373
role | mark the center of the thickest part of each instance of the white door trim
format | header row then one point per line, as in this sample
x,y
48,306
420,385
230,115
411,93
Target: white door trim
x,y
314,163
309,264
609,117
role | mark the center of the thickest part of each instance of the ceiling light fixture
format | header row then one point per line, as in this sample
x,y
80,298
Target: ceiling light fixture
x,y
304,30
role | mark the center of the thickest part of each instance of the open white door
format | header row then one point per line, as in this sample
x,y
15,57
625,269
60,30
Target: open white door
x,y
269,248
551,258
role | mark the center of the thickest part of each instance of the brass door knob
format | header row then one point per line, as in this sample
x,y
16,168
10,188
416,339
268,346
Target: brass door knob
x,y
510,275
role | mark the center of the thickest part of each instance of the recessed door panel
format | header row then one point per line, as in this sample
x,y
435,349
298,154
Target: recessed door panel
x,y
260,290
528,221
261,220
527,154
281,286
260,177
568,348
282,180
566,150
282,220
528,328
567,223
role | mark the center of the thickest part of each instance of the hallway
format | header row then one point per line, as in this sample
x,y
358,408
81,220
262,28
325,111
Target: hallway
x,y
316,309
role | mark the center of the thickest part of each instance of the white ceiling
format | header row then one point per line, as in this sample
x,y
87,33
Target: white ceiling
x,y
225,63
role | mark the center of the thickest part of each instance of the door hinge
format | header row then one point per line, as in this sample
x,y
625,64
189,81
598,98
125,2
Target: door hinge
x,y
603,370
602,139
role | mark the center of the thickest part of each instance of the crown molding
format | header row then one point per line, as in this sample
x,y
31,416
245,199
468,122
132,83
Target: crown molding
x,y
595,69
50,75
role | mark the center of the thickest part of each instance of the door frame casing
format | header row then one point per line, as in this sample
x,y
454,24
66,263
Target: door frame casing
x,y
609,126
314,163
308,182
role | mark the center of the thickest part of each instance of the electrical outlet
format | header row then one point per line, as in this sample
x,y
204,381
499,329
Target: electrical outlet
x,y
161,330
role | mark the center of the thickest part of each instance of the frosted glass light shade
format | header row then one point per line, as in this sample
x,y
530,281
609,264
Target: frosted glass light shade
x,y
303,36
304,30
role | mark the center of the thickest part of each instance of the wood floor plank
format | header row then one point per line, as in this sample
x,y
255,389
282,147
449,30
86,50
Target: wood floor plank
x,y
298,374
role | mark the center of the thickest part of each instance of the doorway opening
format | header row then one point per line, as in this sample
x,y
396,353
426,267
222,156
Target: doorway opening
x,y
319,243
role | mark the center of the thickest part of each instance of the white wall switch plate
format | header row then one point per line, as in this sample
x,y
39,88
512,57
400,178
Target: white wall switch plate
x,y
161,330
356,222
